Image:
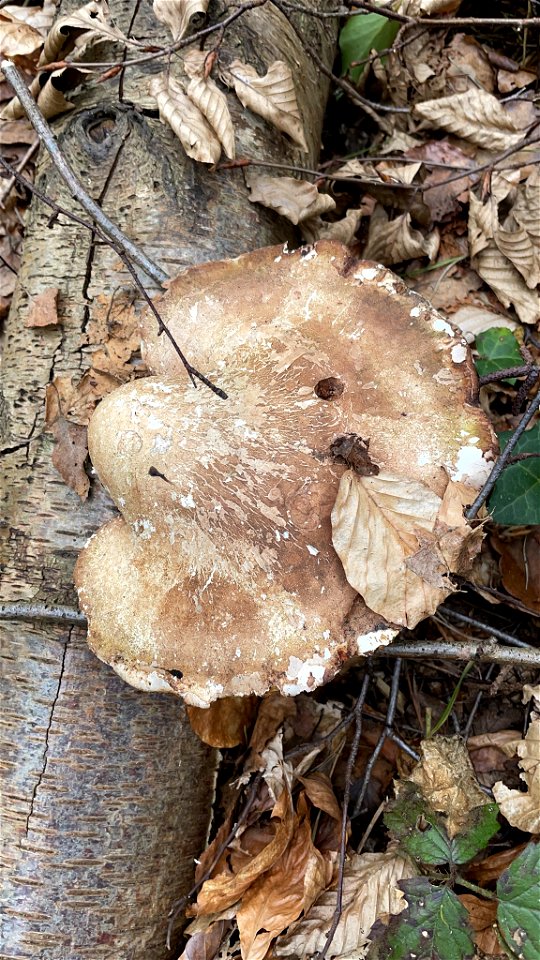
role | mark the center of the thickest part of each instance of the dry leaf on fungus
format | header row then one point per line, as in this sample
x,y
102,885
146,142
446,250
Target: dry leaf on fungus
x,y
184,117
272,96
181,15
447,780
395,555
391,241
369,892
297,200
43,309
280,895
522,808
476,116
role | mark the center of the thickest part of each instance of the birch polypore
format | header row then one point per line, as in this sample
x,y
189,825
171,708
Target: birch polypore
x,y
220,577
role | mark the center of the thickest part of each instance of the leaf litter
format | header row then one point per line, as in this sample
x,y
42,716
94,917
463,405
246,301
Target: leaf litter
x,y
272,889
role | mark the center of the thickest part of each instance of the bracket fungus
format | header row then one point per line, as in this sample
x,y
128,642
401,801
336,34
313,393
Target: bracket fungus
x,y
220,577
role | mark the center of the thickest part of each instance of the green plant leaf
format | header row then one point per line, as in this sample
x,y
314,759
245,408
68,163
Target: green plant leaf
x,y
482,825
434,926
420,831
360,36
518,913
497,349
516,497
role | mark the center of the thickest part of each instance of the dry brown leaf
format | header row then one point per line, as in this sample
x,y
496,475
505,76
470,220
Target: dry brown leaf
x,y
369,892
483,920
297,200
17,38
204,944
522,808
391,241
320,792
510,80
280,895
342,231
184,117
447,780
274,709
472,320
226,888
51,100
525,215
69,455
181,16
378,524
476,116
490,869
520,566
43,310
89,24
225,722
487,752
272,96
213,105
507,284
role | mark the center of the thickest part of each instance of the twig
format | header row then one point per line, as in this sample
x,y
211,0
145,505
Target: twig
x,y
390,713
485,651
344,818
20,166
29,610
78,192
488,165
502,461
95,230
242,162
498,634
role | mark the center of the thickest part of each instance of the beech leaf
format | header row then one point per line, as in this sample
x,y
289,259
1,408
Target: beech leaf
x,y
272,96
297,200
185,119
377,525
522,808
391,241
69,454
17,38
212,103
476,116
369,891
77,29
181,16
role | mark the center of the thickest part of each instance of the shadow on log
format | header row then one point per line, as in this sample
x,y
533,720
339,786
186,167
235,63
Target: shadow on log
x,y
107,792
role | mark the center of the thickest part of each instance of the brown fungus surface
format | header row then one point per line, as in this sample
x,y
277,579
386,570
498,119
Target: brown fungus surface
x,y
220,577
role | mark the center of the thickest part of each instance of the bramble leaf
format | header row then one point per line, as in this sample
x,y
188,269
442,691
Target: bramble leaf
x,y
518,914
434,926
420,831
516,497
481,827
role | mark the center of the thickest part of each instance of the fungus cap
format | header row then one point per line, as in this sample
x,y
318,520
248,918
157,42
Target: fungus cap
x,y
220,577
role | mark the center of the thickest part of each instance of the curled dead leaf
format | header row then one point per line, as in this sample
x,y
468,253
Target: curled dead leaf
x,y
225,722
476,116
507,284
342,231
181,16
391,241
297,200
90,23
185,119
272,96
18,40
212,103
522,808
447,780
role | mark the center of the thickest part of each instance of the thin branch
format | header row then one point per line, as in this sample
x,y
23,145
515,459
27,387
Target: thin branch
x,y
20,166
78,192
492,631
483,651
387,729
502,461
96,230
30,610
344,818
242,162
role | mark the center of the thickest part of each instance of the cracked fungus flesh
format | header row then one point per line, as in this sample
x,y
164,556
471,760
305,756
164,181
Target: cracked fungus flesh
x,y
219,578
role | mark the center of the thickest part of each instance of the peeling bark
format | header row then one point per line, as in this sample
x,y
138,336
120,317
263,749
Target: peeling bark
x,y
107,793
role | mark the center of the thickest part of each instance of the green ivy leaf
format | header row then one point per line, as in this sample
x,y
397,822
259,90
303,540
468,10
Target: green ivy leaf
x,y
518,913
497,349
434,926
516,497
420,831
360,36
482,825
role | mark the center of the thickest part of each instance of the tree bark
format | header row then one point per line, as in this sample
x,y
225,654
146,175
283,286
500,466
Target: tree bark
x,y
107,793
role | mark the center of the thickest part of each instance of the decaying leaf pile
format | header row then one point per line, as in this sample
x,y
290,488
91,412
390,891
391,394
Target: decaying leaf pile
x,y
267,882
